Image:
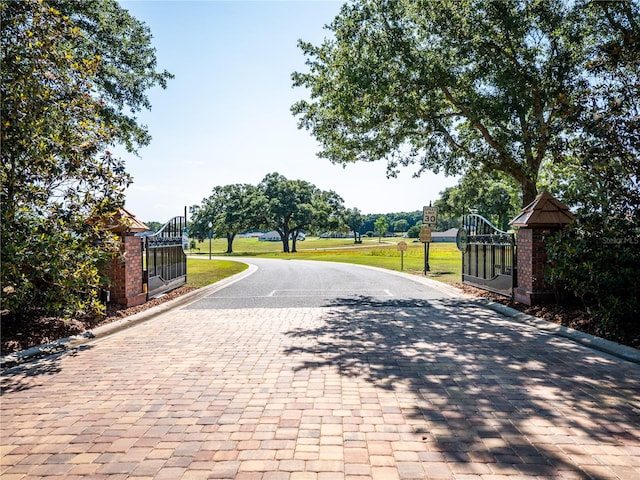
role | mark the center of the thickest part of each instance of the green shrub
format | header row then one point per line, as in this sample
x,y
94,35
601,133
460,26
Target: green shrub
x,y
48,271
598,263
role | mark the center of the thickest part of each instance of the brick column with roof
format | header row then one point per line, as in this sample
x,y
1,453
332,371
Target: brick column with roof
x,y
125,271
541,218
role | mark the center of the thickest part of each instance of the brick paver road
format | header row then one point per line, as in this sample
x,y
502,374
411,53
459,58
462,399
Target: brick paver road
x,y
365,389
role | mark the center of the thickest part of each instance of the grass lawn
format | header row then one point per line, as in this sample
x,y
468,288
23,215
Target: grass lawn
x,y
444,258
202,273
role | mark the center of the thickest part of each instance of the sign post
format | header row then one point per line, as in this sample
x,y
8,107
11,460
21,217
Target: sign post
x,y
402,247
429,219
425,238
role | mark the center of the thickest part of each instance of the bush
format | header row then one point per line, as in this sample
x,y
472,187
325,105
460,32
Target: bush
x,y
48,271
598,263
414,232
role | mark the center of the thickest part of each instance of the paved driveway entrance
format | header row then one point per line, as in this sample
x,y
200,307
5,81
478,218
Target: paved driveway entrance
x,y
363,386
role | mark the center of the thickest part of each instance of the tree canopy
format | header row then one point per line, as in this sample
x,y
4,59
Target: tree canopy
x,y
294,205
490,195
354,220
448,85
597,259
286,206
73,75
231,209
381,225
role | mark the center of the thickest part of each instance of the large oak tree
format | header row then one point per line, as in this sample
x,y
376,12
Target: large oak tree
x,y
447,85
230,209
292,206
597,259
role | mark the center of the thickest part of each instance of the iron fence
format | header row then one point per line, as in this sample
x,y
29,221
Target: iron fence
x,y
489,261
165,260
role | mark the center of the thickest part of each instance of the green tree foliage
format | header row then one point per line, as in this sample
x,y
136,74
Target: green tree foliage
x,y
400,225
153,225
328,214
414,231
381,225
597,259
446,85
412,218
490,195
354,220
128,64
68,71
231,209
294,205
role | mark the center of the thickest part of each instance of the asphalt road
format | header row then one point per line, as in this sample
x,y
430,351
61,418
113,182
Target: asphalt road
x,y
302,283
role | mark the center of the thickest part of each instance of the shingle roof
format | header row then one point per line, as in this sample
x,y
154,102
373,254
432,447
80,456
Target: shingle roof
x,y
125,221
544,211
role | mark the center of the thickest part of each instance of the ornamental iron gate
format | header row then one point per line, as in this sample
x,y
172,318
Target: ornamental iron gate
x,y
166,262
489,259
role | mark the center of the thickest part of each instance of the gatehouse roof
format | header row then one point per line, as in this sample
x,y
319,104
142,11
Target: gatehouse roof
x,y
125,221
544,211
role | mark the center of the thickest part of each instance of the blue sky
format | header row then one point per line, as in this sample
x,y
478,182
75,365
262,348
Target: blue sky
x,y
225,117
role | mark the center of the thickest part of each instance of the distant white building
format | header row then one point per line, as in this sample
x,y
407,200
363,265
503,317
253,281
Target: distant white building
x,y
446,236
337,234
274,236
249,235
271,236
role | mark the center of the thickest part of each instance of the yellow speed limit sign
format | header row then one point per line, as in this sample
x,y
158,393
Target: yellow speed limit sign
x,y
425,234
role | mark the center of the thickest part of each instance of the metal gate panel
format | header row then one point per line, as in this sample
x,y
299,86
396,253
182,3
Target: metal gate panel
x,y
488,261
166,262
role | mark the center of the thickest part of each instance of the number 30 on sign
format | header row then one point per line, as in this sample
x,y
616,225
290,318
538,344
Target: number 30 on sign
x,y
429,215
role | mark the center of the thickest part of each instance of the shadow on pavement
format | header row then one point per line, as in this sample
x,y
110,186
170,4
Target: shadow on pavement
x,y
20,377
483,389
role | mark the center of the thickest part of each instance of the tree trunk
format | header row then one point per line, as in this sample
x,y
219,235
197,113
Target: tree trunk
x,y
230,243
284,235
529,191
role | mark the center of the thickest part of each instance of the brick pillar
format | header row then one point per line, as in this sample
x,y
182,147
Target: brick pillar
x,y
532,258
126,273
541,218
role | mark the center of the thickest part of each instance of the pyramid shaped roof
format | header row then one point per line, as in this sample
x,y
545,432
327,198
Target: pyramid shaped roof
x,y
544,211
125,221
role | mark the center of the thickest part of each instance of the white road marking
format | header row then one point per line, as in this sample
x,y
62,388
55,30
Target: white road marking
x,y
313,293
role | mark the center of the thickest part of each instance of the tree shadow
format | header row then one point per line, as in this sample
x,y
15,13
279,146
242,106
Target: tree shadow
x,y
20,377
485,388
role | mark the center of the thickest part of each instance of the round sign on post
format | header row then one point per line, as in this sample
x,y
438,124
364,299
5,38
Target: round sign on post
x,y
402,247
462,240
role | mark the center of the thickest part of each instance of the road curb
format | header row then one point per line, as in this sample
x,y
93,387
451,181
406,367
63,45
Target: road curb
x,y
65,344
623,352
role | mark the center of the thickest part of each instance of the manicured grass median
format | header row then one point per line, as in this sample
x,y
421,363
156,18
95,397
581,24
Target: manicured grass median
x,y
203,272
